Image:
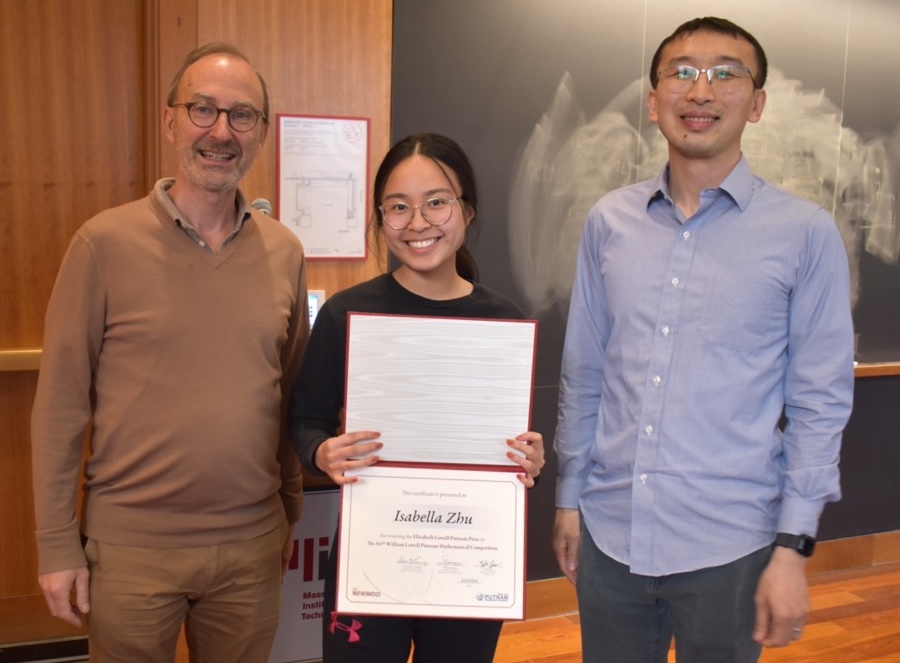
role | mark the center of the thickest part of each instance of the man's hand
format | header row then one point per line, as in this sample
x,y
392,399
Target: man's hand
x,y
782,599
566,538
57,588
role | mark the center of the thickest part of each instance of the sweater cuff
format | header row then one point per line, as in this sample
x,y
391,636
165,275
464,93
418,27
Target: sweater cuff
x,y
307,443
60,549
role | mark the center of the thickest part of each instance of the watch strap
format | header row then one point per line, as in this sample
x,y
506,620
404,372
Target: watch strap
x,y
800,543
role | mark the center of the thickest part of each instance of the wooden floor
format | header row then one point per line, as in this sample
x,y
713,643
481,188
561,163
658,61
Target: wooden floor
x,y
855,618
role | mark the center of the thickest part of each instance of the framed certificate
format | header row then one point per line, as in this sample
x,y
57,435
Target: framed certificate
x,y
433,542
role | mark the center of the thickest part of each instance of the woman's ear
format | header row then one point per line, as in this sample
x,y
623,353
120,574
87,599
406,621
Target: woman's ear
x,y
468,213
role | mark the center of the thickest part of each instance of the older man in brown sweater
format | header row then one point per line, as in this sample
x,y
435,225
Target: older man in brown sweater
x,y
175,326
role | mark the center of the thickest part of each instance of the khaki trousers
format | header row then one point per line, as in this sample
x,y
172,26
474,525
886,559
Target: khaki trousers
x,y
227,596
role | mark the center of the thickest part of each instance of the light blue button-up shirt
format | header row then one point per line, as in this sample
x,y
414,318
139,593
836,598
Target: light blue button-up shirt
x,y
687,340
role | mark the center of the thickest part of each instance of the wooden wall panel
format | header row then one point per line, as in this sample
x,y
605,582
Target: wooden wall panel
x,y
18,570
71,127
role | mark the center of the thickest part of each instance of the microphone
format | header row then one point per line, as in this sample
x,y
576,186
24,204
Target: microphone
x,y
262,205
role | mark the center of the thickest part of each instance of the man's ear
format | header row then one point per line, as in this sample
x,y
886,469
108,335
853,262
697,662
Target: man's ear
x,y
759,102
169,123
651,106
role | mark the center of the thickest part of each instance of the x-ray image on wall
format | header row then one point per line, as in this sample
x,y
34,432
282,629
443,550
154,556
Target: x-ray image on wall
x,y
548,98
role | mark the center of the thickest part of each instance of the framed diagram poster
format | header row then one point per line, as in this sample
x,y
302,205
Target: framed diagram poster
x,y
323,174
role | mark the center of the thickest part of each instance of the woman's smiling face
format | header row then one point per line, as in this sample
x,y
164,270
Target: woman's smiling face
x,y
421,247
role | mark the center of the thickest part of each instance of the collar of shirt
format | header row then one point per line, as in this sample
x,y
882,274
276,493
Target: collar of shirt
x,y
738,185
162,198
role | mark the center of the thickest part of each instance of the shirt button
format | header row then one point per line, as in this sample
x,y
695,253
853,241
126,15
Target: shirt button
x,y
665,330
686,234
643,478
656,380
648,430
675,281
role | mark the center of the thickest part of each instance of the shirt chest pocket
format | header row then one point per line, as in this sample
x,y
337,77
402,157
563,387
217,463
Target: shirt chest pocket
x,y
744,315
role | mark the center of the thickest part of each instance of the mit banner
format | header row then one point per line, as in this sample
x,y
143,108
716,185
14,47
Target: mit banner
x,y
299,636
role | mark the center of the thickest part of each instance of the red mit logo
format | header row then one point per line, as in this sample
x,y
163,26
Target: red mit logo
x,y
315,556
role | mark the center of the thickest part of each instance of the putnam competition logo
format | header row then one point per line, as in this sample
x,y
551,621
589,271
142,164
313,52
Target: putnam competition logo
x,y
492,598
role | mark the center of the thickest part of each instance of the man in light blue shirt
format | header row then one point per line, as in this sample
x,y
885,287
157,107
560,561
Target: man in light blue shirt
x,y
707,304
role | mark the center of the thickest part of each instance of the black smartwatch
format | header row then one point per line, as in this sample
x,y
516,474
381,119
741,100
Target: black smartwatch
x,y
801,543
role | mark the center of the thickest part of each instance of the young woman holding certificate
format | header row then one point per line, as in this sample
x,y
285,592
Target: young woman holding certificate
x,y
425,203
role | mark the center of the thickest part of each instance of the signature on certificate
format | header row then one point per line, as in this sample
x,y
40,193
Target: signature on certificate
x,y
411,563
489,564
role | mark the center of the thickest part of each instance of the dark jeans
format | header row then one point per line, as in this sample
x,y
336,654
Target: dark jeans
x,y
628,618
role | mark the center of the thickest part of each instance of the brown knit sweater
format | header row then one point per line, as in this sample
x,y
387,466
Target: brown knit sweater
x,y
181,357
